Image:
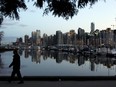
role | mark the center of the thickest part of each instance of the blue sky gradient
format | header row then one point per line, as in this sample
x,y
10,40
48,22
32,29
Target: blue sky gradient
x,y
103,14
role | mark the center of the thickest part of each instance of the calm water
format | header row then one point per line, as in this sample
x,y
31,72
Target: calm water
x,y
36,63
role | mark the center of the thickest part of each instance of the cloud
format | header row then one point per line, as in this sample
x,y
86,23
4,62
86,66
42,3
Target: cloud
x,y
32,11
2,27
10,23
23,25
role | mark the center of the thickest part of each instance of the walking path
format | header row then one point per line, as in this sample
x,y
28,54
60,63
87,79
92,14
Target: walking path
x,y
111,83
55,81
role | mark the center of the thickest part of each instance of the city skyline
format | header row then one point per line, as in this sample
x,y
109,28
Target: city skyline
x,y
95,38
38,32
102,14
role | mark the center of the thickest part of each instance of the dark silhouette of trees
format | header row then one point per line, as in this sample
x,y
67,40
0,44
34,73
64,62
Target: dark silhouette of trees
x,y
61,8
1,19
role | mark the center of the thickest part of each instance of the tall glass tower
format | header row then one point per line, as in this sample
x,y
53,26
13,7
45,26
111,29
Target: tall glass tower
x,y
38,37
92,28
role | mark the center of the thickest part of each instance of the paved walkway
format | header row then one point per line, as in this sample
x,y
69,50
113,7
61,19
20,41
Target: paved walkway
x,y
60,84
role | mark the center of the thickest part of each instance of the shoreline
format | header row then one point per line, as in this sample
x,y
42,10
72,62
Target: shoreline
x,y
61,78
3,50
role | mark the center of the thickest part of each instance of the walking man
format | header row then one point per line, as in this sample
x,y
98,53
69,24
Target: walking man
x,y
16,67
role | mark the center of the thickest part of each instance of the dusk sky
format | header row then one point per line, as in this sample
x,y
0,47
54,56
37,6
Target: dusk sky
x,y
103,14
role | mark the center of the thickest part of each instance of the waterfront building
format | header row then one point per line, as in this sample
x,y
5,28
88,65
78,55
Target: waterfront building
x,y
73,37
45,40
19,41
65,38
54,39
59,37
114,38
96,38
51,40
92,28
103,37
26,39
68,38
33,37
92,38
38,37
80,36
87,38
107,37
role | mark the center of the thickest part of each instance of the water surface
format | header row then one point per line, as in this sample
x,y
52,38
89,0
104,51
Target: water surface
x,y
46,63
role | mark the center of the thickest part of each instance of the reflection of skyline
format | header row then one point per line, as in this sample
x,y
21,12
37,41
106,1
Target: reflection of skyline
x,y
1,64
59,57
35,55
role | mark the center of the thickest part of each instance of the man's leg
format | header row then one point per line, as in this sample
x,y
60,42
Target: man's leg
x,y
12,76
20,77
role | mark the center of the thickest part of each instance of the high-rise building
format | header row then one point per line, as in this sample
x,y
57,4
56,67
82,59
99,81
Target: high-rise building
x,y
65,38
45,40
59,37
33,35
81,32
19,40
38,37
73,37
81,36
115,38
26,39
92,28
107,37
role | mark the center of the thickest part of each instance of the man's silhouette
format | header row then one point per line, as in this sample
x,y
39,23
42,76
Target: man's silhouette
x,y
16,67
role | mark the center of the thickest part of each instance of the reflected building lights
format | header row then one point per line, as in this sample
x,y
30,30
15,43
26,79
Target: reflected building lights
x,y
59,57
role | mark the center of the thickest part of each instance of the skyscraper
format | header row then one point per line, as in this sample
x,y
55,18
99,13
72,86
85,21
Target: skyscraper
x,y
38,37
73,37
92,28
81,36
59,37
33,35
26,39
45,40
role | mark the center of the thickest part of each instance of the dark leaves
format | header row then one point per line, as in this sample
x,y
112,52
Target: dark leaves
x,y
39,3
63,8
11,7
83,3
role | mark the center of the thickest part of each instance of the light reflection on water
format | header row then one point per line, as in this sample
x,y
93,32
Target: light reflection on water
x,y
46,63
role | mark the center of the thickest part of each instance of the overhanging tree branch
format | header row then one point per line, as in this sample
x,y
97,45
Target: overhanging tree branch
x,y
61,8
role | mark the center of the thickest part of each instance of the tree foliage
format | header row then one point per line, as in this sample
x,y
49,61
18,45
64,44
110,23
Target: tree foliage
x,y
1,19
11,7
61,8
